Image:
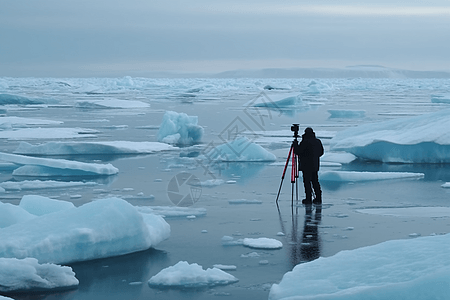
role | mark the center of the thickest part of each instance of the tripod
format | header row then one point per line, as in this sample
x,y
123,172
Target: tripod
x,y
294,167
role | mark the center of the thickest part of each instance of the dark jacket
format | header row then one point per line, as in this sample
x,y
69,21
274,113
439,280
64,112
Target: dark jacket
x,y
309,150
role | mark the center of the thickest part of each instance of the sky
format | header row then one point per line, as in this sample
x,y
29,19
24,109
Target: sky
x,y
85,38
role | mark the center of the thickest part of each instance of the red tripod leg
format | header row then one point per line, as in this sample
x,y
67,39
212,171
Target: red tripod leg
x,y
284,171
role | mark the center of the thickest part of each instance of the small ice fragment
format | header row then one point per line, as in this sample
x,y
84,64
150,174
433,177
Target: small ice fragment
x,y
264,262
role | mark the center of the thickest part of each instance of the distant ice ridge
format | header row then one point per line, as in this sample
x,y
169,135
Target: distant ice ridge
x,y
37,166
7,99
179,129
400,269
280,101
346,113
89,148
14,122
239,150
419,139
22,275
188,275
98,229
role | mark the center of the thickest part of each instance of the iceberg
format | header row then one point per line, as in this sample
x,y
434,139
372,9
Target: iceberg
x,y
6,99
40,205
98,229
11,214
185,275
179,129
37,166
26,275
400,269
90,148
419,139
239,150
280,101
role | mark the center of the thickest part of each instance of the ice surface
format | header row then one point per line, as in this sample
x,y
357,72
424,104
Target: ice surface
x,y
446,185
366,176
47,133
89,148
110,103
399,269
245,201
262,243
103,228
338,157
40,205
15,122
185,275
38,184
240,149
6,99
11,214
37,166
179,128
28,275
281,101
419,139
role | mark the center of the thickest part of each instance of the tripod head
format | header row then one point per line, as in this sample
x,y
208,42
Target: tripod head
x,y
295,128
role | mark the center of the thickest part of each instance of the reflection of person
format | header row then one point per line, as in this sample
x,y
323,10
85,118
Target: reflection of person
x,y
309,152
310,246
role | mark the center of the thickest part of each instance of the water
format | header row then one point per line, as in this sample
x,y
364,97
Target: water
x,y
220,104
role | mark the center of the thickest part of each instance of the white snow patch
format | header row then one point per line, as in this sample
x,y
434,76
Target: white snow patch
x,y
262,243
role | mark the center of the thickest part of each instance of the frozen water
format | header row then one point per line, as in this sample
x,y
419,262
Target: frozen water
x,y
47,133
346,113
20,275
102,228
11,214
420,139
440,98
17,122
38,184
412,269
110,103
179,128
188,275
424,212
172,211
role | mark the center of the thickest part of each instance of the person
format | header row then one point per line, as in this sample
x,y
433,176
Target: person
x,y
309,152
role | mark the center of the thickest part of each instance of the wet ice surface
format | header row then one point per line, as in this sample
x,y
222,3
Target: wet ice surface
x,y
354,214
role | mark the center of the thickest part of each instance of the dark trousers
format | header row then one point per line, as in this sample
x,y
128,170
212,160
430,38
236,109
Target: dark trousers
x,y
311,178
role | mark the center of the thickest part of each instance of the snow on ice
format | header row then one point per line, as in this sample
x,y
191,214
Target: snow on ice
x,y
179,129
185,275
399,269
21,275
37,166
98,229
89,148
419,139
241,149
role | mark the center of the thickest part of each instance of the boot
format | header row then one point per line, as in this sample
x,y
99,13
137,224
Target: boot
x,y
307,200
318,199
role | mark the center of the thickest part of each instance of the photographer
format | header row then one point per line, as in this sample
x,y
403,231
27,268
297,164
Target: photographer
x,y
309,152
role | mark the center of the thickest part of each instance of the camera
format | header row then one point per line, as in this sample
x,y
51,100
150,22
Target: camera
x,y
295,128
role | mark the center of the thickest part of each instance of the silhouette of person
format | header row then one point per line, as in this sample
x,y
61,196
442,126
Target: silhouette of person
x,y
309,152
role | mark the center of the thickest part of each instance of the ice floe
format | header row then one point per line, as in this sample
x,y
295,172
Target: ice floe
x,y
98,229
185,275
366,176
179,128
38,166
17,122
262,243
89,148
346,113
40,205
11,214
39,184
47,133
419,139
400,269
440,98
110,103
26,275
424,212
172,211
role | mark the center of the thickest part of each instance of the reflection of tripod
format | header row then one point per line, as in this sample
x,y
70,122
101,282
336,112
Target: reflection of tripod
x,y
294,166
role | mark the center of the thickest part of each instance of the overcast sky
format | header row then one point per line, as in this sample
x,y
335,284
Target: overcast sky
x,y
133,37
